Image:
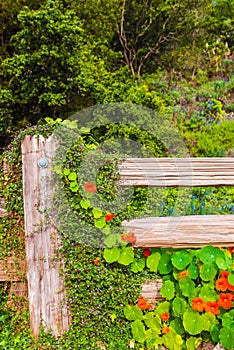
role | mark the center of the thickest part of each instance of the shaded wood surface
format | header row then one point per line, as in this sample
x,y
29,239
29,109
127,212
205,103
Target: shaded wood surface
x,y
151,291
183,231
46,292
176,172
12,269
3,211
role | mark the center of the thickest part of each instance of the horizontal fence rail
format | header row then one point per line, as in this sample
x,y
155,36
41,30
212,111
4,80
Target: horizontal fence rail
x,y
183,231
175,172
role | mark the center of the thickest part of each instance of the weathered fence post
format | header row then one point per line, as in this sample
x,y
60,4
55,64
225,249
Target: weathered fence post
x,y
46,292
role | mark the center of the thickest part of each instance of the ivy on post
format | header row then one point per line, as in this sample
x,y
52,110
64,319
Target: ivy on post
x,y
46,292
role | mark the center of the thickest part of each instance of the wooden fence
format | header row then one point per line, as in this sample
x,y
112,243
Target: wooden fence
x,y
46,292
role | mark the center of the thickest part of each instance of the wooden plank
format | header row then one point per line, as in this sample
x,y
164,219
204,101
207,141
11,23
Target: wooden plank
x,y
47,297
12,269
3,212
151,291
174,172
183,231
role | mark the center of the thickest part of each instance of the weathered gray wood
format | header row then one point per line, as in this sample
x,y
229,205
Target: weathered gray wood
x,y
10,270
183,231
47,297
176,172
151,291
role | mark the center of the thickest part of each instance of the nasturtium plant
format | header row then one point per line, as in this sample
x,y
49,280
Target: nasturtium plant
x,y
126,256
168,290
111,255
153,261
180,259
208,272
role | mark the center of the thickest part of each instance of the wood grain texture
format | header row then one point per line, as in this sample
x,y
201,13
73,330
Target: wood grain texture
x,y
12,269
151,291
183,231
47,297
175,172
3,211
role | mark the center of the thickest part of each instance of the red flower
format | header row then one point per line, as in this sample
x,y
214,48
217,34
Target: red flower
x,y
110,216
225,300
130,237
165,329
231,250
164,317
198,304
225,274
96,261
146,252
90,187
142,304
221,284
212,306
182,274
230,287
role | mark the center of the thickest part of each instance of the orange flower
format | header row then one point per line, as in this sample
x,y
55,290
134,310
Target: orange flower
x,y
225,300
110,216
164,317
146,252
182,274
90,187
198,304
130,237
212,306
142,304
165,329
96,261
221,284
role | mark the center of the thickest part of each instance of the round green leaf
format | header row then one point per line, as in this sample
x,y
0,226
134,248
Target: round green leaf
x,y
221,263
187,286
227,337
168,290
111,240
208,272
208,254
231,279
179,306
133,313
193,342
138,331
180,259
100,223
72,176
208,294
209,319
126,256
106,230
214,332
153,261
111,255
162,307
66,172
153,322
193,271
193,322
74,186
165,265
138,265
97,213
85,203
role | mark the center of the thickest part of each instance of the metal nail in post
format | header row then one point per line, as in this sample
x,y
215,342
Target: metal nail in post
x,y
42,163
